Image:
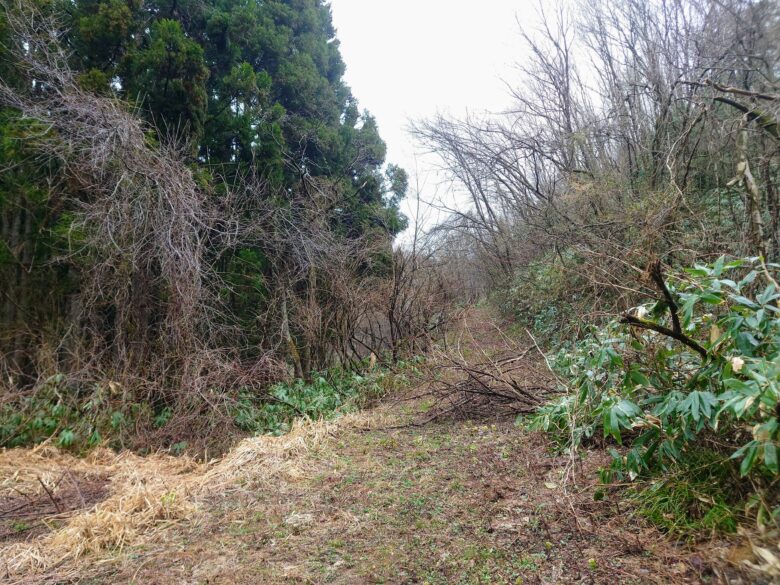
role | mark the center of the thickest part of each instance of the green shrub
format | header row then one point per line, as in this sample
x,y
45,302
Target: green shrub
x,y
699,498
76,417
543,298
327,394
662,399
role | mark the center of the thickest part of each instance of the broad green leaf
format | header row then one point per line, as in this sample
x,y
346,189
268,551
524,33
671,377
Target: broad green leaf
x,y
735,264
698,271
744,301
711,298
749,458
768,295
770,456
717,268
639,378
751,276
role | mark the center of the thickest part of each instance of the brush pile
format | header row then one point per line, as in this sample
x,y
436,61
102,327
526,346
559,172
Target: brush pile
x,y
504,378
506,385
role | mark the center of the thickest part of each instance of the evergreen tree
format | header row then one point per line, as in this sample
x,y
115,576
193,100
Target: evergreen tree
x,y
255,88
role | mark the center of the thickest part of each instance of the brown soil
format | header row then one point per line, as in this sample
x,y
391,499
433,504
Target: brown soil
x,y
24,515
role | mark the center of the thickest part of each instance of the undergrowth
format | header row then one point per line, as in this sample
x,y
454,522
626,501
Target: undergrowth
x,y
79,418
73,417
659,404
702,497
328,393
547,298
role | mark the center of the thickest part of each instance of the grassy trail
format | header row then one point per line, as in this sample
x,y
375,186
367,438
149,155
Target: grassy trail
x,y
371,498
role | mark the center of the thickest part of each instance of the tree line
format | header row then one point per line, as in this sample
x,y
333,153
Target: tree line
x,y
192,203
635,130
625,211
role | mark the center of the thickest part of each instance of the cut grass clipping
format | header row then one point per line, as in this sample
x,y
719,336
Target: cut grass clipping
x,y
149,494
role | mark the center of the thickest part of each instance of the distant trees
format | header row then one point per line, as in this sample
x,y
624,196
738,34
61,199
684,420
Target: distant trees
x,y
636,174
637,128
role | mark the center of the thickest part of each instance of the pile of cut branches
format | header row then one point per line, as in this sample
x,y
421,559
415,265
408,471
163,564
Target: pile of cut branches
x,y
504,382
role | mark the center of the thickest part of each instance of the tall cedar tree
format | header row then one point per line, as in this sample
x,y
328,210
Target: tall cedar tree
x,y
253,88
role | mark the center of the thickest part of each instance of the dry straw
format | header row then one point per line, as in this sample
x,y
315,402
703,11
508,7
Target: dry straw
x,y
149,494
145,493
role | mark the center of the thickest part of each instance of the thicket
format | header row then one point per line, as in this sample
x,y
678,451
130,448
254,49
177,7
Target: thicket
x,y
677,384
192,208
625,209
80,421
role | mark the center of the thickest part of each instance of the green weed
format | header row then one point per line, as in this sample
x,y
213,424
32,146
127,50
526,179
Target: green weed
x,y
663,401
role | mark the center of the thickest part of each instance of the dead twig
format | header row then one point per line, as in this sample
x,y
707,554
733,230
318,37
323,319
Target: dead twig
x,y
656,275
51,496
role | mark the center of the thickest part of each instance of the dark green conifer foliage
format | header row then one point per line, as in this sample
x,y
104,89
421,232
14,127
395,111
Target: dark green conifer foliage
x,y
167,76
254,88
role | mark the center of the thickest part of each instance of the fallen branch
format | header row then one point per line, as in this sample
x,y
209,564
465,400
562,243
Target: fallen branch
x,y
51,496
505,385
682,338
656,275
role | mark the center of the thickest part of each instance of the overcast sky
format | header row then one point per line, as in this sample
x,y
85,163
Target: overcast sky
x,y
408,59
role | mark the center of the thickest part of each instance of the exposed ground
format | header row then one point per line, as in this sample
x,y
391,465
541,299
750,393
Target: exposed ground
x,y
368,498
26,514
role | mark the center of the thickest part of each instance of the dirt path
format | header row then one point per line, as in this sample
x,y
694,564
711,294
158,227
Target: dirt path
x,y
370,500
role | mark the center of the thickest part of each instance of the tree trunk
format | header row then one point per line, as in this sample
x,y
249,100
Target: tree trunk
x,y
292,348
758,240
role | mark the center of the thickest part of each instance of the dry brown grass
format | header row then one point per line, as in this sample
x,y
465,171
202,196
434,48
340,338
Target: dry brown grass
x,y
149,494
146,494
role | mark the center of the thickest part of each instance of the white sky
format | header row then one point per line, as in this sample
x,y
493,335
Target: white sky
x,y
409,59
